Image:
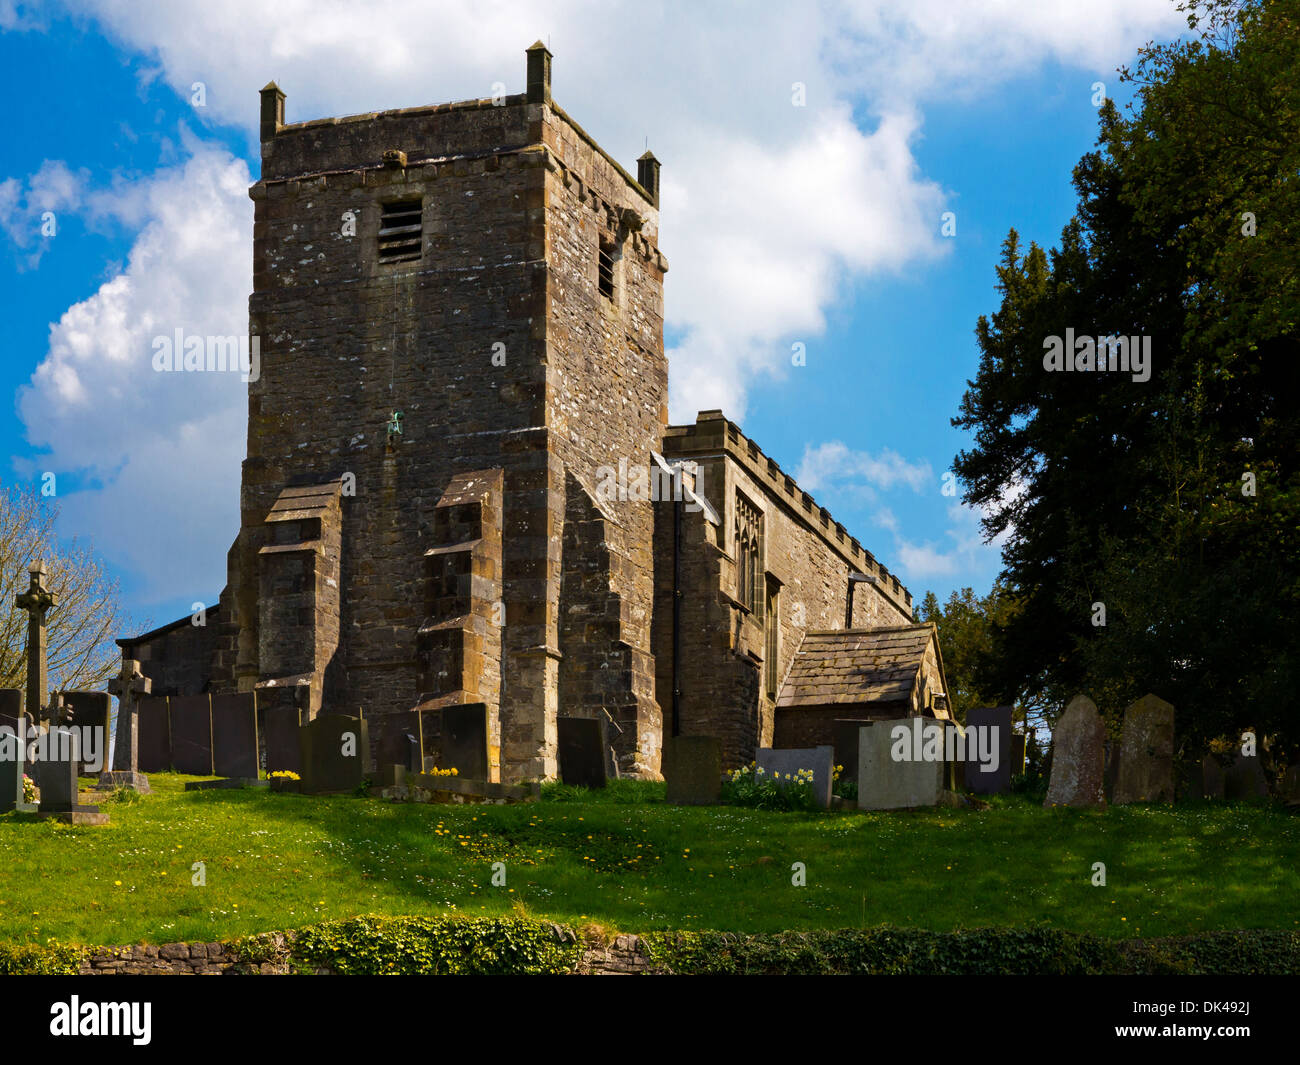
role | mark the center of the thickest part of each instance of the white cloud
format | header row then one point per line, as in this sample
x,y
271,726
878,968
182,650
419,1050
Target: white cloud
x,y
166,447
833,465
767,207
769,210
30,210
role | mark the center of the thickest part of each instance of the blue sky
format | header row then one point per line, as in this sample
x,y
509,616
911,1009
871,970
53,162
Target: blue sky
x,y
817,225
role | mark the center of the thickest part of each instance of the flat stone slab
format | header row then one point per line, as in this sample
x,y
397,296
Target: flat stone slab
x,y
226,783
466,788
86,816
123,778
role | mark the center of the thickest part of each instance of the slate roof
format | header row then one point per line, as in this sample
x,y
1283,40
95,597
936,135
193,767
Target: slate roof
x,y
856,666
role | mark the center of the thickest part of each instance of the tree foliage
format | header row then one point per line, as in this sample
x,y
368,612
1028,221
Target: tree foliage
x,y
1135,494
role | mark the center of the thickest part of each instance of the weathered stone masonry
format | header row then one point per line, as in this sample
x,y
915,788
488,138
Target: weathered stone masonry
x,y
460,318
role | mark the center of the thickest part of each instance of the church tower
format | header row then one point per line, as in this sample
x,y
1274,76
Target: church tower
x,y
459,317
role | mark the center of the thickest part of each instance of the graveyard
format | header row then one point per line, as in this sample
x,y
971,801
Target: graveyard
x,y
626,861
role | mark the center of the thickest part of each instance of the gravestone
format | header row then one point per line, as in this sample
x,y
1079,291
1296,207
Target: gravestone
x,y
1211,778
1078,750
692,768
1245,779
59,782
989,730
885,783
1291,785
234,735
584,754
334,752
779,763
130,686
278,728
13,744
92,710
464,740
11,710
154,734
1146,761
844,739
1018,754
399,741
191,721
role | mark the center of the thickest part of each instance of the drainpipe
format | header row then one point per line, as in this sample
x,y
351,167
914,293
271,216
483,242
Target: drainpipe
x,y
677,609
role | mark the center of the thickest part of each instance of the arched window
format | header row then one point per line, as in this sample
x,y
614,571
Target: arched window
x,y
749,555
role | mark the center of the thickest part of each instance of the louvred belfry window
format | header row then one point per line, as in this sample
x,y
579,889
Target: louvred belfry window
x,y
401,231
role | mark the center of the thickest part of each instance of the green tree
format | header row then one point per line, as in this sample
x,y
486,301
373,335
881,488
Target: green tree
x,y
968,625
1128,500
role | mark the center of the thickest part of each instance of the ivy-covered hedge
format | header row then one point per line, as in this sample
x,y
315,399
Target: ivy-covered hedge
x,y
484,946
31,959
374,945
1034,951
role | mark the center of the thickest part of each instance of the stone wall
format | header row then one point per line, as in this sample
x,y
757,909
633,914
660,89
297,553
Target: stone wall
x,y
624,955
806,561
177,656
499,350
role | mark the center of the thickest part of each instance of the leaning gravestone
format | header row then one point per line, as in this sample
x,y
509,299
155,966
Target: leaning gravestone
x,y
153,733
886,783
335,751
191,721
787,762
234,735
464,740
584,755
692,768
1078,745
988,731
1146,761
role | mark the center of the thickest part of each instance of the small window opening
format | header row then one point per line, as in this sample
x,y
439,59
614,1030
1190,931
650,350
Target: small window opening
x,y
401,231
605,269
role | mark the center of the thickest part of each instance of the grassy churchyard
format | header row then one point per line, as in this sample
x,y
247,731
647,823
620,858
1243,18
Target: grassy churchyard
x,y
625,860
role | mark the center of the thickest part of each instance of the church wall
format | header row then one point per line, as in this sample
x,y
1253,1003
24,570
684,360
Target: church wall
x,y
176,656
802,547
607,384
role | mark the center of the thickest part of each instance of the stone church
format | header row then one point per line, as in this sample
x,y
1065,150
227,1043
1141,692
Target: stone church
x,y
461,486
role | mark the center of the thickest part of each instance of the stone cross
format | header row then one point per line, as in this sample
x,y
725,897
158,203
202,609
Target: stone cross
x,y
37,601
129,686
